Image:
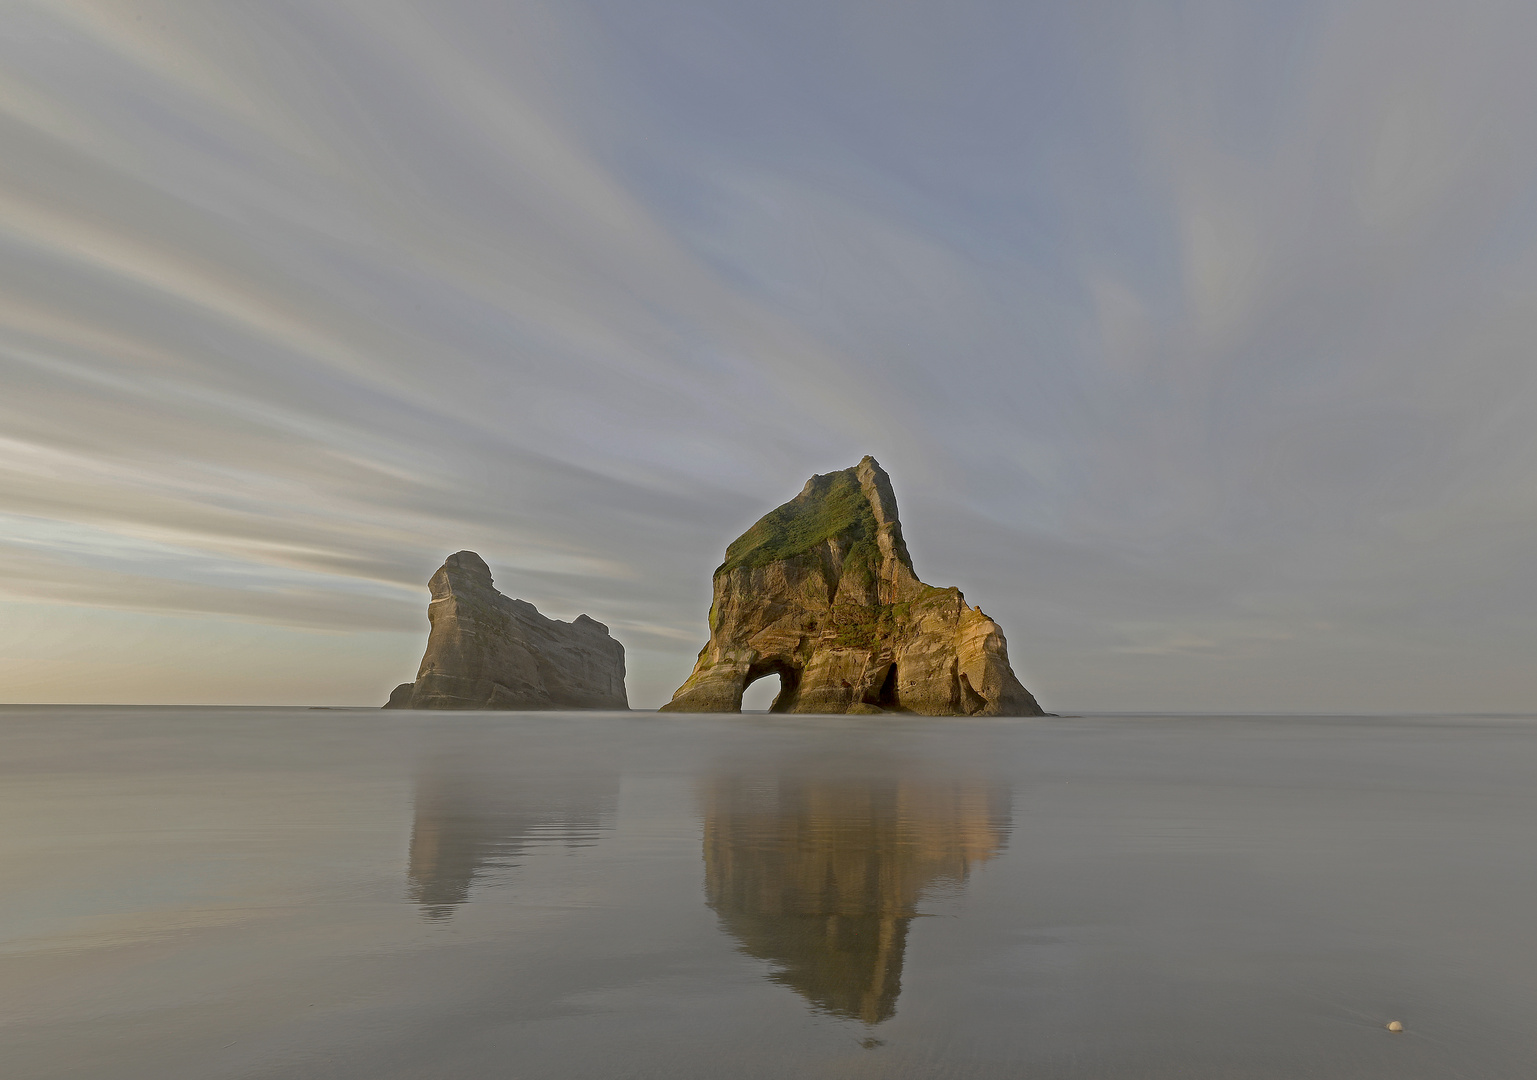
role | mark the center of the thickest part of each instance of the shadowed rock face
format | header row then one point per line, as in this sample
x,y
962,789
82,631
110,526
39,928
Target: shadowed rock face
x,y
822,592
489,651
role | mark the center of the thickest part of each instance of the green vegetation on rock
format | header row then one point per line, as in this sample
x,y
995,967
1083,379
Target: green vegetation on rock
x,y
860,627
835,506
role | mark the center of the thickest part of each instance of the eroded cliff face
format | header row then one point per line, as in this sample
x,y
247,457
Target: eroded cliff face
x,y
822,592
489,651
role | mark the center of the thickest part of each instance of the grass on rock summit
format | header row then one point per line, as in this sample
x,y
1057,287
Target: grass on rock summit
x,y
835,506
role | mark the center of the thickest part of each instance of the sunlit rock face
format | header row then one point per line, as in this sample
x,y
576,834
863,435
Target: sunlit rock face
x,y
821,875
822,593
489,651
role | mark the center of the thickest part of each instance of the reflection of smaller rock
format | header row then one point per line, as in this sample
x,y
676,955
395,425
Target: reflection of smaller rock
x,y
471,822
489,651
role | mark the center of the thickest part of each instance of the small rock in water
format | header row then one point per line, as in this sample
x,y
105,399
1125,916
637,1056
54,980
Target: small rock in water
x,y
1394,1025
489,651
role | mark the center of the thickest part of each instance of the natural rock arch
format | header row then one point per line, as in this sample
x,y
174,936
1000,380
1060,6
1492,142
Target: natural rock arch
x,y
823,591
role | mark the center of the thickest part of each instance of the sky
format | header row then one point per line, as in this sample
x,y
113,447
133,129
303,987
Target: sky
x,y
1198,338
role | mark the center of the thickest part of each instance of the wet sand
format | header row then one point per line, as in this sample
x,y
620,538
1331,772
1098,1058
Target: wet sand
x,y
254,893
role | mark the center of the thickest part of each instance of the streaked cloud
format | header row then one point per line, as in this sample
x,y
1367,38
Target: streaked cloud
x,y
1197,337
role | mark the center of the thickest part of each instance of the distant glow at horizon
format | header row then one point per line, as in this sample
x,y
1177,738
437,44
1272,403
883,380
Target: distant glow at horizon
x,y
1197,339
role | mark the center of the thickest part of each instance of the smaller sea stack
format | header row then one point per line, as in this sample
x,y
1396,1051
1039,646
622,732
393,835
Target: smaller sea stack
x,y
489,651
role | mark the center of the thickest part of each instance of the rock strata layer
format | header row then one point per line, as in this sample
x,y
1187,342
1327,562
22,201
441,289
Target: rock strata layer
x,y
489,651
822,593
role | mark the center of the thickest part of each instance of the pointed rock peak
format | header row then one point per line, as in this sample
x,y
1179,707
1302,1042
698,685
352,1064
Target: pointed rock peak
x,y
853,509
877,488
587,622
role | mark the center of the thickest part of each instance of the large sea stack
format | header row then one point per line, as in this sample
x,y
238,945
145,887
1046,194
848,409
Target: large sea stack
x,y
822,592
489,651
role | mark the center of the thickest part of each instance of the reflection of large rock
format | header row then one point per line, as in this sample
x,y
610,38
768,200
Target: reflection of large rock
x,y
822,592
821,875
489,651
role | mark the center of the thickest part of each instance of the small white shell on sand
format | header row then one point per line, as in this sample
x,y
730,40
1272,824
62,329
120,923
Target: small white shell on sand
x,y
1394,1025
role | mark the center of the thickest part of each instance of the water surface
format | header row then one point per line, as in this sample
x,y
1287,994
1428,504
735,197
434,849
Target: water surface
x,y
210,893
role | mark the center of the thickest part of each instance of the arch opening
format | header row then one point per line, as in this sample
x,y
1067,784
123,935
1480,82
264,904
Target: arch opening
x,y
761,693
758,696
886,696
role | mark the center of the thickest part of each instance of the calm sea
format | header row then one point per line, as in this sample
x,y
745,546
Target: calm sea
x,y
289,893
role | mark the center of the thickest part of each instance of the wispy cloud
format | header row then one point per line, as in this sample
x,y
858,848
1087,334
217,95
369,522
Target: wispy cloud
x,y
1197,337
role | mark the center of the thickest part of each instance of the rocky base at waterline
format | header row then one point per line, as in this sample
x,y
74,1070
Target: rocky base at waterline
x,y
822,592
489,651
